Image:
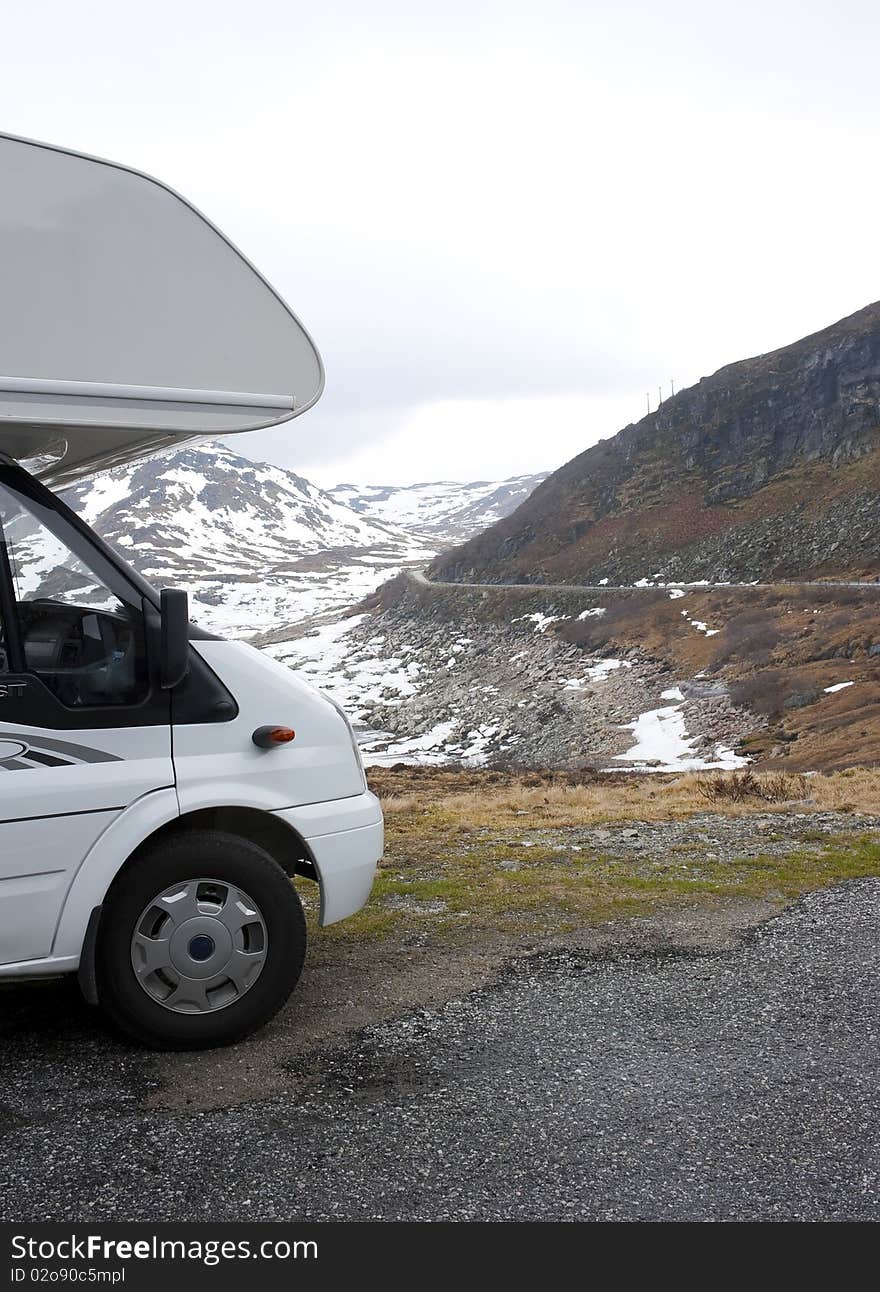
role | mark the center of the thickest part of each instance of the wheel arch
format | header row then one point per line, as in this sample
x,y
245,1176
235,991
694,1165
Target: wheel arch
x,y
278,837
155,817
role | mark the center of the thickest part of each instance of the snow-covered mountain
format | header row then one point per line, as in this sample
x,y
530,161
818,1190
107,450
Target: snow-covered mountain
x,y
261,548
257,546
447,511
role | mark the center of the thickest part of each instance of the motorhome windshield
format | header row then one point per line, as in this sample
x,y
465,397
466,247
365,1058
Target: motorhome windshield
x,y
68,618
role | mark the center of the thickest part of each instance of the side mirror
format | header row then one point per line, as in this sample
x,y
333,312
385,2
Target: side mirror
x,y
174,648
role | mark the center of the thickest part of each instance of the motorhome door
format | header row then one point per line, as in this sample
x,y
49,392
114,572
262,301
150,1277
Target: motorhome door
x,y
84,727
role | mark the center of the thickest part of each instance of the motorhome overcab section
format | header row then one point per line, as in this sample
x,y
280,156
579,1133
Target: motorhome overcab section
x,y
159,787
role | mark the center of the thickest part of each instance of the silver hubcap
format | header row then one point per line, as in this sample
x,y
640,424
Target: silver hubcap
x,y
199,946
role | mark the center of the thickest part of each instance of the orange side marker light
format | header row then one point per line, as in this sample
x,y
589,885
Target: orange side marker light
x,y
269,737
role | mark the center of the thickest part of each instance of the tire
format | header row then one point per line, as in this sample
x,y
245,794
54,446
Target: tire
x,y
146,943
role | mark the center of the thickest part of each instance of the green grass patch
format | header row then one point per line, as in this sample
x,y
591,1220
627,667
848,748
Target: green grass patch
x,y
453,884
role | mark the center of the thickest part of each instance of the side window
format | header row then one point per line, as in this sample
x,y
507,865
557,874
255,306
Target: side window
x,y
82,639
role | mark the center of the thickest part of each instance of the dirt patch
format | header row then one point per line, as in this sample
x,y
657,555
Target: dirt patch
x,y
350,986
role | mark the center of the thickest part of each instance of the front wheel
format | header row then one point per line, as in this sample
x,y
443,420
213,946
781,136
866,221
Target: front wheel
x,y
202,939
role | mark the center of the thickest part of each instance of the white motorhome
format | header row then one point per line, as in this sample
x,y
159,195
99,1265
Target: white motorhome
x,y
159,787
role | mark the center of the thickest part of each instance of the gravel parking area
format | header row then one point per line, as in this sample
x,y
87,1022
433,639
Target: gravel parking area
x,y
664,1083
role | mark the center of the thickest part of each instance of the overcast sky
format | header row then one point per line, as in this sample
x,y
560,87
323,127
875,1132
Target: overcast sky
x,y
503,223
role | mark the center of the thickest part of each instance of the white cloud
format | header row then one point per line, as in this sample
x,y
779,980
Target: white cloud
x,y
461,439
485,209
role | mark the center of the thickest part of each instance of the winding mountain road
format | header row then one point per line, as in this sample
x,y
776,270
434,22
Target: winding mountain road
x,y
419,576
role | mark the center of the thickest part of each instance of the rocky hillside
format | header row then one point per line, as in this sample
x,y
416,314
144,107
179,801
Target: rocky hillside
x,y
659,679
440,675
446,511
769,469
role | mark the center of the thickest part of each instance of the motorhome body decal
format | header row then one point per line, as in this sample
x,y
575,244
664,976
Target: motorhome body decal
x,y
19,751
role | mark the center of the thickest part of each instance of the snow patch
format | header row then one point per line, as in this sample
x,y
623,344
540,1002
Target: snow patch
x,y
603,667
674,693
663,745
430,747
700,626
541,622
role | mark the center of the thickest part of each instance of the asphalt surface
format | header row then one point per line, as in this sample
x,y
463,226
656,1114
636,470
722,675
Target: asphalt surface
x,y
734,1085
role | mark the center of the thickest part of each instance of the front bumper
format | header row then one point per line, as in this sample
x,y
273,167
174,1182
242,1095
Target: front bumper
x,y
345,839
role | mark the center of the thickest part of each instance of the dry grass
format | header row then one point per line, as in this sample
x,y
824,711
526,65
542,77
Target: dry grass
x,y
496,857
627,798
740,787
